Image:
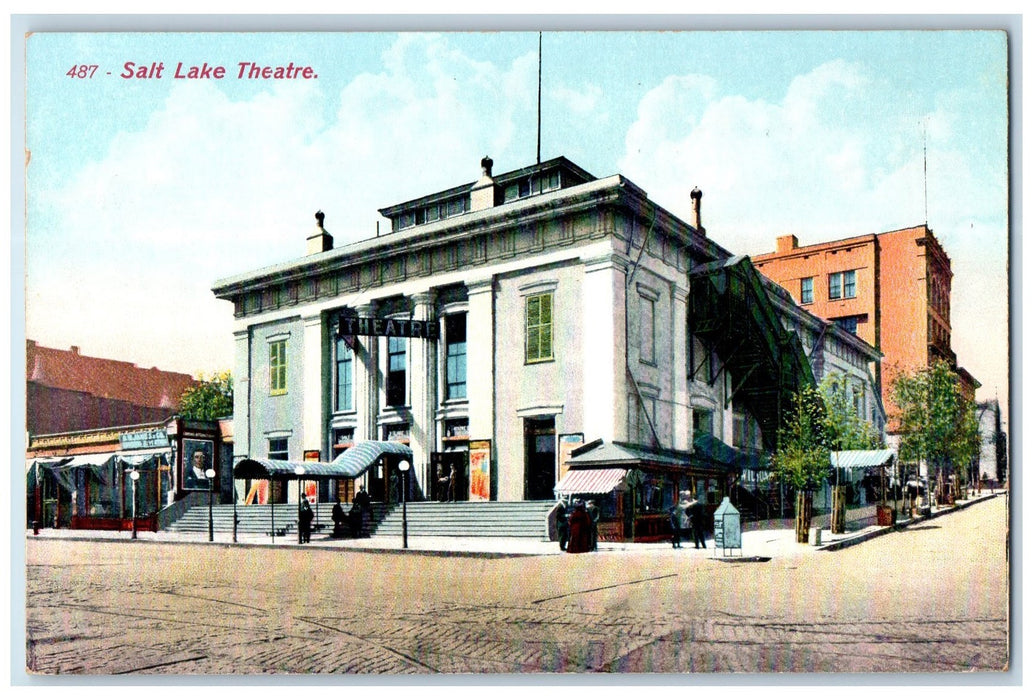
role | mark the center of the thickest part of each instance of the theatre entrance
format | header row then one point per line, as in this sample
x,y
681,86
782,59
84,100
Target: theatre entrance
x,y
539,458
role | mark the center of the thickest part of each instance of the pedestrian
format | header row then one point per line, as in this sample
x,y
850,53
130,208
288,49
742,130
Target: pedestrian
x,y
362,500
912,496
675,518
697,514
355,520
557,523
594,513
580,523
305,516
339,518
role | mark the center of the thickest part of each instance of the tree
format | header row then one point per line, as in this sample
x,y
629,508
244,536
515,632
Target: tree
x,y
801,459
845,429
211,398
937,423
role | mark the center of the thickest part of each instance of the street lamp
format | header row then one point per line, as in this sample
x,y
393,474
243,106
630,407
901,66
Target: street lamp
x,y
403,467
210,475
299,472
134,476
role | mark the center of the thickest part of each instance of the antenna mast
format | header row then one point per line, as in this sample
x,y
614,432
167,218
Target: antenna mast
x,y
538,153
925,174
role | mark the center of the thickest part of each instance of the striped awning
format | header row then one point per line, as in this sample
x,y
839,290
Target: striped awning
x,y
860,459
590,481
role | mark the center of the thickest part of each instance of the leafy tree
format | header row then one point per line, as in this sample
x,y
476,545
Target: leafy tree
x,y
845,429
802,457
211,398
937,423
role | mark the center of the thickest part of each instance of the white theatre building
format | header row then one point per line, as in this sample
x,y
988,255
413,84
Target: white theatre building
x,y
502,324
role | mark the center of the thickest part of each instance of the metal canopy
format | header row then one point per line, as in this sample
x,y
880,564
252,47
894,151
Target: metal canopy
x,y
730,312
352,463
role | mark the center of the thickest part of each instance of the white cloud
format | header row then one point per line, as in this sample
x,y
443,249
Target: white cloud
x,y
840,154
214,186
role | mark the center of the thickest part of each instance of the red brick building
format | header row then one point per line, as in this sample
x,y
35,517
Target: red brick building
x,y
892,289
67,391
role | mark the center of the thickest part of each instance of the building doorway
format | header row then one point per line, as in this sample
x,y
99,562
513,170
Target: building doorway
x,y
539,458
450,475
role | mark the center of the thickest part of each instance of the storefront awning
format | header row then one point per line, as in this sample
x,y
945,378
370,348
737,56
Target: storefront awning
x,y
136,458
599,453
591,481
350,464
861,459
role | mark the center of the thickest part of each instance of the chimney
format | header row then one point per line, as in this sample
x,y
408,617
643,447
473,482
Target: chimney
x,y
784,244
485,193
697,215
320,241
75,349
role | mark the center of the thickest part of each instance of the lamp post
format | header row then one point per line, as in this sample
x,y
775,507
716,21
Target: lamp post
x,y
299,471
134,476
403,467
210,475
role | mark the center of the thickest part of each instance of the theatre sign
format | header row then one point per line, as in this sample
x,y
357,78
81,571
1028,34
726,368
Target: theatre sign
x,y
399,328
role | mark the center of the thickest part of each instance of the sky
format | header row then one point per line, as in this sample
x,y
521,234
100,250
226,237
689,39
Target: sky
x,y
142,192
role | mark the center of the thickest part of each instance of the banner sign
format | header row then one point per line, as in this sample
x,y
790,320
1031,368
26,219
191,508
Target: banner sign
x,y
399,328
480,470
143,439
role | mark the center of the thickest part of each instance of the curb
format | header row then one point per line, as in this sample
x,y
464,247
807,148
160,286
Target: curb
x,y
897,527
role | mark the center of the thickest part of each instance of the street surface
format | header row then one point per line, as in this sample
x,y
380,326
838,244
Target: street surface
x,y
931,598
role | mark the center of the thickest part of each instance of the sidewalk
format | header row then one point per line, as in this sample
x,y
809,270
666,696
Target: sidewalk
x,y
759,544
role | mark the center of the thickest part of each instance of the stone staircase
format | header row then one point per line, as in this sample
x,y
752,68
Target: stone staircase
x,y
468,519
426,518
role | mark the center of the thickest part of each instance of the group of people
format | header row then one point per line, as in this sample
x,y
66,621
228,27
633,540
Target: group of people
x,y
578,530
348,524
693,514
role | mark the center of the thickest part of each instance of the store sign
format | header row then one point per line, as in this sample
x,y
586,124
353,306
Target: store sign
x,y
399,328
143,439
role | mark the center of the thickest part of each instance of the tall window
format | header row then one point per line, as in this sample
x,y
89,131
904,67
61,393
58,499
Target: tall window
x,y
843,285
345,363
807,290
702,422
648,330
455,356
278,448
848,323
278,367
539,328
396,371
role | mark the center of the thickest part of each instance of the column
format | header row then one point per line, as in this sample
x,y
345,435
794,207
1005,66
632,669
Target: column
x,y
365,368
423,354
480,358
604,372
242,394
682,415
241,404
313,389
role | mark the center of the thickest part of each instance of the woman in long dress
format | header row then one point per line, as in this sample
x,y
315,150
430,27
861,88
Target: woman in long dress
x,y
580,524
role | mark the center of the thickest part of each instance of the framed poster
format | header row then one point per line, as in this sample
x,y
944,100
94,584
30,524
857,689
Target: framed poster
x,y
568,443
198,457
480,470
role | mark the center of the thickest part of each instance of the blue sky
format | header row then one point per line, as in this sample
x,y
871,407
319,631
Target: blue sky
x,y
141,193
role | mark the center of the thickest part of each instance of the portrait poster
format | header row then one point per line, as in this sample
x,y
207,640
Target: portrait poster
x,y
480,470
198,457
